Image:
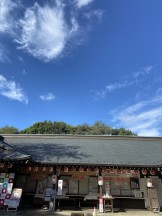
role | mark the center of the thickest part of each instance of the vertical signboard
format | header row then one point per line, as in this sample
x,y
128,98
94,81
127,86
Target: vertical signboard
x,y
101,205
60,186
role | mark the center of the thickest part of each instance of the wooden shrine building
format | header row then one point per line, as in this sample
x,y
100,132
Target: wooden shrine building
x,y
68,168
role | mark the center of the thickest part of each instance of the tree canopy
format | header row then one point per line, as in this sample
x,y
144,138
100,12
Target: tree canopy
x,y
9,130
59,127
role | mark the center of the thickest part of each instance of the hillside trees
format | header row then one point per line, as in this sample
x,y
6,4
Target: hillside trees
x,y
98,128
8,130
59,127
47,127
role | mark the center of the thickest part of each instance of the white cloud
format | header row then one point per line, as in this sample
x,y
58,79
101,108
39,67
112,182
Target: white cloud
x,y
126,81
48,97
20,59
98,94
94,14
3,54
6,21
45,32
143,71
6,25
12,90
114,86
81,3
143,118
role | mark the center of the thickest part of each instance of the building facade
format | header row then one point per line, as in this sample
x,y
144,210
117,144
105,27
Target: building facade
x,y
75,171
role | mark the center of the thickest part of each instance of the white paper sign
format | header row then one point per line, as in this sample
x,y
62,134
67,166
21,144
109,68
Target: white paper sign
x,y
60,184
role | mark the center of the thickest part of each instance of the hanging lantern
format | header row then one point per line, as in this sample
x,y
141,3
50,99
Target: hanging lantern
x,y
100,180
2,165
81,169
50,169
73,169
119,171
111,171
66,169
36,169
128,171
96,170
136,172
144,171
88,169
152,172
44,169
9,165
104,170
29,168
58,168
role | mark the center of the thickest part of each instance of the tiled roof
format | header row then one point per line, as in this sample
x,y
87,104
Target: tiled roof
x,y
90,150
10,153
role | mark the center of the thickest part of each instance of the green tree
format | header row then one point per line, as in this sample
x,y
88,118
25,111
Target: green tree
x,y
83,129
123,132
99,128
48,127
9,130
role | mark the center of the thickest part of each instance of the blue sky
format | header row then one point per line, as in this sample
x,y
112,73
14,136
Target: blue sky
x,y
82,61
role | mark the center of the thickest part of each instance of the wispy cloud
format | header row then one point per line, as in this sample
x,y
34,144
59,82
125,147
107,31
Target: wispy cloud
x,y
6,20
143,118
3,54
97,14
47,97
21,59
126,81
6,25
47,30
12,90
81,3
44,31
143,71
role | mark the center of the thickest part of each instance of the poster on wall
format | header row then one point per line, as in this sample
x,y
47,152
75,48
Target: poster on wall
x,y
40,190
6,185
